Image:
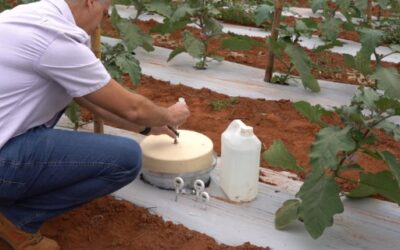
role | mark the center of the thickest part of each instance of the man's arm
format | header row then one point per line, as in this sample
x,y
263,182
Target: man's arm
x,y
109,117
118,121
136,108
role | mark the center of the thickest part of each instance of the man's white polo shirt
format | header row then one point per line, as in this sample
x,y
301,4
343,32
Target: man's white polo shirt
x,y
45,60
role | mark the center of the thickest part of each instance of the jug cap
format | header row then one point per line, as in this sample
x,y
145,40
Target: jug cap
x,y
246,131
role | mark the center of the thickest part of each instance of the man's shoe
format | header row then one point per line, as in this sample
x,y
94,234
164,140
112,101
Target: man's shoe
x,y
20,240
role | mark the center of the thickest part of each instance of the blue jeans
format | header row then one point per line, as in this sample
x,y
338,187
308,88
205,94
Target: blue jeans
x,y
46,172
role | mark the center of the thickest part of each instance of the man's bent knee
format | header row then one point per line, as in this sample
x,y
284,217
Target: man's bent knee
x,y
129,159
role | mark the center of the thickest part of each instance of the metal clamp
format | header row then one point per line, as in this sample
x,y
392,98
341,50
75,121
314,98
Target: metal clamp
x,y
178,184
198,187
205,198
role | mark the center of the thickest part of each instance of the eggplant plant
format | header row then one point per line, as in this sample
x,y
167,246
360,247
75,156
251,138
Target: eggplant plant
x,y
236,12
201,14
335,151
390,24
198,14
119,59
140,5
288,43
370,40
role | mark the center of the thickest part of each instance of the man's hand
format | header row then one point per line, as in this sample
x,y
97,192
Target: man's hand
x,y
164,130
178,113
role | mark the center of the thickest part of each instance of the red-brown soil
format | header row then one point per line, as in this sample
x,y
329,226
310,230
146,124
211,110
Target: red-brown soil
x,y
331,66
107,223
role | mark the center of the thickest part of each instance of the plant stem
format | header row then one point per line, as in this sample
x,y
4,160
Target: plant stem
x,y
378,58
202,18
380,120
346,179
289,70
358,145
389,54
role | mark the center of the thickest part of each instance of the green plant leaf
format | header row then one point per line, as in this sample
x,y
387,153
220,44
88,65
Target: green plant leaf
x,y
329,141
114,71
277,47
362,191
279,156
129,64
370,39
390,128
349,26
320,202
317,5
73,113
371,153
175,52
182,11
131,34
239,43
383,3
263,13
366,98
302,63
330,29
349,61
361,5
168,27
212,11
343,5
301,26
328,45
286,214
389,81
193,46
382,183
313,113
362,62
212,27
384,104
160,7
393,164
351,114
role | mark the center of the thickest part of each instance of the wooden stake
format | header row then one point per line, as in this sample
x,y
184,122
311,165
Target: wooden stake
x,y
274,36
96,48
369,11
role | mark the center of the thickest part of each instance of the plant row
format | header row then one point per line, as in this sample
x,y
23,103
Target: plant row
x,y
335,147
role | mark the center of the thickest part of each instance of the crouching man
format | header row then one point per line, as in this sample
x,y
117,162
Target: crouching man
x,y
45,63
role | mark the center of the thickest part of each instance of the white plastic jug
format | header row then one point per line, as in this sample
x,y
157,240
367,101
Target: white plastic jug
x,y
240,162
